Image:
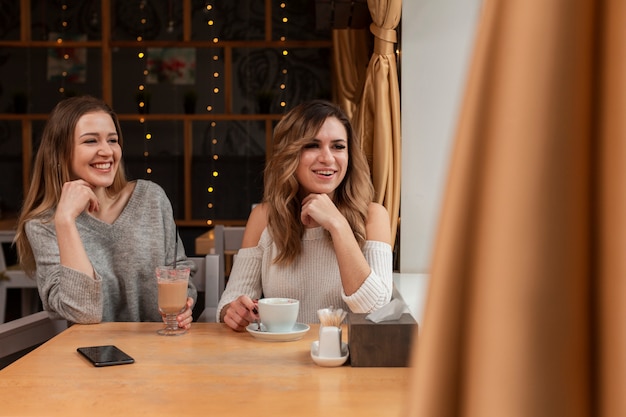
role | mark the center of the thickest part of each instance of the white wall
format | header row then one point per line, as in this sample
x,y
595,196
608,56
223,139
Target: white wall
x,y
437,40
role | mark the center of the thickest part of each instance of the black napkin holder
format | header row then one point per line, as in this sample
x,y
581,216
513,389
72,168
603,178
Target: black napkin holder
x,y
384,344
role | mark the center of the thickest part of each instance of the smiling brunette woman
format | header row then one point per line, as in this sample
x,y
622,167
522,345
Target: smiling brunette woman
x,y
91,238
317,236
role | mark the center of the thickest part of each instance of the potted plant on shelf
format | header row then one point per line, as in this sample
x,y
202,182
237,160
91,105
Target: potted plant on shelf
x,y
190,98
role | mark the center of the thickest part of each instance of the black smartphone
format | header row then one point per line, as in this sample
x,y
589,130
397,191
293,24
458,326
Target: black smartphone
x,y
106,355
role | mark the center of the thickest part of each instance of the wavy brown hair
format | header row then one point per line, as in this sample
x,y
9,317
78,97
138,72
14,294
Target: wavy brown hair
x,y
352,197
51,168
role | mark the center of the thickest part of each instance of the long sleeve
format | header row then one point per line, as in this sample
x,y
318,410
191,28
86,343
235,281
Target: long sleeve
x,y
313,278
377,288
124,256
69,294
245,278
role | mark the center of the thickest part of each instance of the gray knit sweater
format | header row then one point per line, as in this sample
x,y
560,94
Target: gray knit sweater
x,y
123,254
313,278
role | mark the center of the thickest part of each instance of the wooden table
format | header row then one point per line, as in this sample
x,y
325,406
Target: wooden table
x,y
210,371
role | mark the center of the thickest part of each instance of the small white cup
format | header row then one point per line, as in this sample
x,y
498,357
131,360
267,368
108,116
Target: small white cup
x,y
279,315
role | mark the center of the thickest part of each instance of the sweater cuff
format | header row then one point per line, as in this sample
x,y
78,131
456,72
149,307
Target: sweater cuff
x,y
372,295
85,303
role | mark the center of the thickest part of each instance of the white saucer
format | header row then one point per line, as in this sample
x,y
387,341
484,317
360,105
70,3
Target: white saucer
x,y
323,361
299,329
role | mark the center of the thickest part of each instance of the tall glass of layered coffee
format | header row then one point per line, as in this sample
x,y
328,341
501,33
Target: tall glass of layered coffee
x,y
172,297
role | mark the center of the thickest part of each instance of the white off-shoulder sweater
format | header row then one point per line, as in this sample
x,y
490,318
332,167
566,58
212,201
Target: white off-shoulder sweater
x,y
313,278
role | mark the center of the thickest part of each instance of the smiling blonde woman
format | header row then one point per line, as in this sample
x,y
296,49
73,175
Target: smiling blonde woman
x,y
317,236
91,238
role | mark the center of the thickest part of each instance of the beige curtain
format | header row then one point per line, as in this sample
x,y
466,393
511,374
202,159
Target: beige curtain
x,y
377,117
526,311
350,58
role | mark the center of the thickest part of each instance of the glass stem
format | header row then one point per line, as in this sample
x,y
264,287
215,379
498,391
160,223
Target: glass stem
x,y
170,321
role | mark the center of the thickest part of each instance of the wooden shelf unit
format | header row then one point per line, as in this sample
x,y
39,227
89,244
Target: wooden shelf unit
x,y
106,46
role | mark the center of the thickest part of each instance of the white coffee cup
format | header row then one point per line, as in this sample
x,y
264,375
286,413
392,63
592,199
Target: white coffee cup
x,y
279,315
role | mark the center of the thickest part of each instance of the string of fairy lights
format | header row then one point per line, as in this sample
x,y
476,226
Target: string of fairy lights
x,y
64,54
67,55
283,85
214,85
142,93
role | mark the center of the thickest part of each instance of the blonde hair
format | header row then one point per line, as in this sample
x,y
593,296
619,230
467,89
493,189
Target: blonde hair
x,y
352,197
51,168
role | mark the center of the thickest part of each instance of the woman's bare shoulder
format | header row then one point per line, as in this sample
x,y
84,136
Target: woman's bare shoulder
x,y
257,222
377,209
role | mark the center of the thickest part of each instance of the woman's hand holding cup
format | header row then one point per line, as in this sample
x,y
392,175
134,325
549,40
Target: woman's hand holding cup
x,y
240,313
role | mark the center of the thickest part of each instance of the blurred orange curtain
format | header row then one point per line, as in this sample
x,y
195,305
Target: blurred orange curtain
x,y
526,311
350,57
377,117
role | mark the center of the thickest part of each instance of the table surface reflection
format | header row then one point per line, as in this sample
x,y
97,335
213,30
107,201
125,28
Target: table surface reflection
x,y
210,371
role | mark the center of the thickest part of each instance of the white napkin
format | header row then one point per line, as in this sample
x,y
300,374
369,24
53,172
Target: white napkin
x,y
392,311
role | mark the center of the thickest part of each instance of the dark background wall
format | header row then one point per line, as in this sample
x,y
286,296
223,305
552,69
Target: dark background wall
x,y
240,144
